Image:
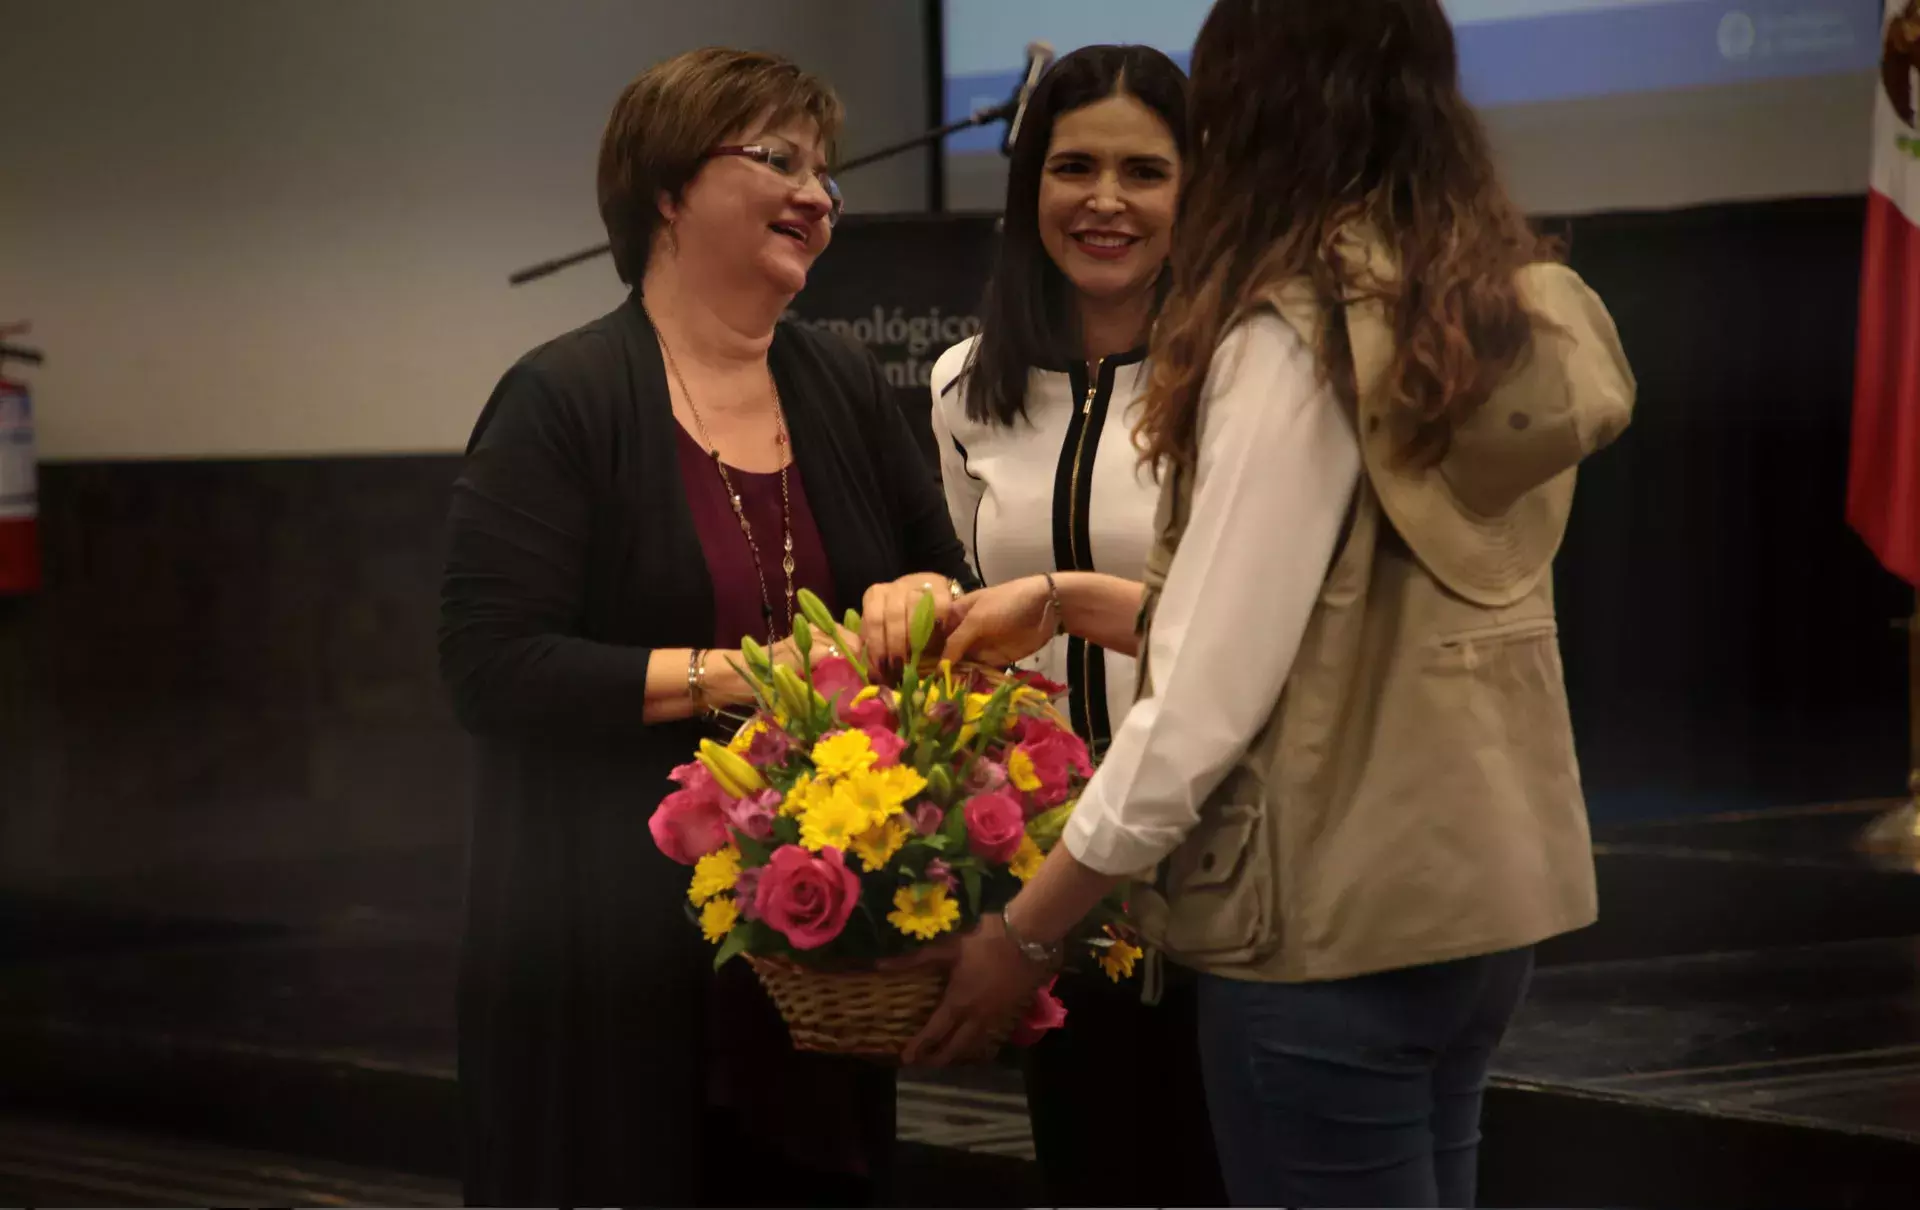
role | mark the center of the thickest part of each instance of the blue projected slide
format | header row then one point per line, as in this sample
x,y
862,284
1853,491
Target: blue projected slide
x,y
1512,52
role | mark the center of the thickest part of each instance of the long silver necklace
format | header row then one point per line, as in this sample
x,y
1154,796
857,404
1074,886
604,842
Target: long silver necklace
x,y
733,495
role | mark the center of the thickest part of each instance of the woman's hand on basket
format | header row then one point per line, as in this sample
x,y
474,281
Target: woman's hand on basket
x,y
886,616
989,981
1003,624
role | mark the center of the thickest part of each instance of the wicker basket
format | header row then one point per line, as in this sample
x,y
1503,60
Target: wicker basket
x,y
868,1013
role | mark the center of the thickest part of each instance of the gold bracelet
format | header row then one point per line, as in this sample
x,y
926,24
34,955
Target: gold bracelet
x,y
1053,602
954,591
697,679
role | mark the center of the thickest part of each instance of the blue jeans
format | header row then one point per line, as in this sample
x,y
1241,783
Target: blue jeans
x,y
1356,1092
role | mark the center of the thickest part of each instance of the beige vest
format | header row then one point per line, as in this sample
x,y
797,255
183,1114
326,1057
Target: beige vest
x,y
1414,797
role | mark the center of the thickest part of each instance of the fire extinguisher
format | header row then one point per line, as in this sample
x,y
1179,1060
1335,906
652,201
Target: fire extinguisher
x,y
19,493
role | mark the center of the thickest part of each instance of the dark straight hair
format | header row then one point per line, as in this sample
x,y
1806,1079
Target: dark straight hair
x,y
1027,318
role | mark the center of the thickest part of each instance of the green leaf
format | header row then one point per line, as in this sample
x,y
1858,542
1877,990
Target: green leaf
x,y
752,852
939,842
920,629
733,946
1047,826
803,641
970,877
761,698
853,620
955,828
786,831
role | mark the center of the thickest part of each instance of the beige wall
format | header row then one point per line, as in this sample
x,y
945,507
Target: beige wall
x,y
283,227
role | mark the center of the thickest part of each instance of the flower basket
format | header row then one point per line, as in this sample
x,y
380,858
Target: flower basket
x,y
855,1012
850,822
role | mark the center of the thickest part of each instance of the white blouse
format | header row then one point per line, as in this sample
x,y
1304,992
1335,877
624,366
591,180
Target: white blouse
x,y
1279,462
1060,490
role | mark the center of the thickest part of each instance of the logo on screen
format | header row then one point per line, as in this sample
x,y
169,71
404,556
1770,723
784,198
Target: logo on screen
x,y
1900,60
1737,35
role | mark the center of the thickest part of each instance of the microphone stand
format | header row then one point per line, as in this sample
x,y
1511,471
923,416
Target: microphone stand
x,y
980,117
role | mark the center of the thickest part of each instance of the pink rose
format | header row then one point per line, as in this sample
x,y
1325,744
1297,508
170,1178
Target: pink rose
x,y
690,822
874,712
835,680
808,898
1034,680
927,818
996,823
752,816
887,747
1056,753
1044,1014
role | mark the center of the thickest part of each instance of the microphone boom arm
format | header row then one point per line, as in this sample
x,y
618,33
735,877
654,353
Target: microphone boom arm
x,y
979,117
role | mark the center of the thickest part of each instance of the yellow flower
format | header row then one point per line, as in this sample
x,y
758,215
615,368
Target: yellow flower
x,y
718,918
804,794
877,845
843,754
882,793
715,874
1118,958
1020,771
865,695
1026,863
743,738
971,712
924,910
833,821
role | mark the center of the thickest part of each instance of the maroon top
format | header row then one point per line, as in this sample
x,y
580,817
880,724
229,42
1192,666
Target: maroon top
x,y
807,1105
738,609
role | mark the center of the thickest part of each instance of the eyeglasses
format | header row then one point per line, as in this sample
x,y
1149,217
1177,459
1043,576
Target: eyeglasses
x,y
790,164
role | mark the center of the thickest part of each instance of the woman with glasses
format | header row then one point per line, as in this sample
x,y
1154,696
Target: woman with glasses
x,y
639,496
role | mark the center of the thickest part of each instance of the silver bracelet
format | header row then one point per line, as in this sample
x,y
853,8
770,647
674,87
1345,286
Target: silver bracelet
x,y
1037,952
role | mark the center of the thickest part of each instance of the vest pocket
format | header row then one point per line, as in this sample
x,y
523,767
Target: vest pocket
x,y
1219,888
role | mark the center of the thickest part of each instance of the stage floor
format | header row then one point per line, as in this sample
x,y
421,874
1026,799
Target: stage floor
x,y
1754,985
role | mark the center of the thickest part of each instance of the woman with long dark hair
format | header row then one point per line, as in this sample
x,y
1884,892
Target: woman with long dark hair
x,y
1351,761
1034,420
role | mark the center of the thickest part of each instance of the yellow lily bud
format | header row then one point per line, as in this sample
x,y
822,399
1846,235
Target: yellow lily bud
x,y
731,770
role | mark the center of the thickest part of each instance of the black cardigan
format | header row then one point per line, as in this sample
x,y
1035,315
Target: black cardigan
x,y
573,555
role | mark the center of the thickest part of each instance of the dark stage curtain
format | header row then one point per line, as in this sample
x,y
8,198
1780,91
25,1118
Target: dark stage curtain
x,y
1727,638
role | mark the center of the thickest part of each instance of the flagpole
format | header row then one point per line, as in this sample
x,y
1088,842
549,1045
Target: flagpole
x,y
1897,832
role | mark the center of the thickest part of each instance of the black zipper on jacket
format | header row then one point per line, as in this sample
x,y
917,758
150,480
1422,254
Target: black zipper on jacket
x,y
1073,538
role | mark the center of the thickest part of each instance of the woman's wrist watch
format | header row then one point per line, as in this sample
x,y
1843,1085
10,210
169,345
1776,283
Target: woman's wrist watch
x,y
1039,953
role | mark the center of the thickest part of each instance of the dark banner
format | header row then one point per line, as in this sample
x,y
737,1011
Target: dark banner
x,y
907,287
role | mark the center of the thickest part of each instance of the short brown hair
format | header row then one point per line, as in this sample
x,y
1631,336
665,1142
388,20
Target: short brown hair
x,y
674,113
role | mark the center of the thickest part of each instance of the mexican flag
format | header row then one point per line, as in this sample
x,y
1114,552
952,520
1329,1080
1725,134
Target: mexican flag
x,y
1883,487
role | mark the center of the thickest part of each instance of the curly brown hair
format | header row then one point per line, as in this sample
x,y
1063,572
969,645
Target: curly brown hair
x,y
1314,124
674,114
